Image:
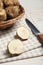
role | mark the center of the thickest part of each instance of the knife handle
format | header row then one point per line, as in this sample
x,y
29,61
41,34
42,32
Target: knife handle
x,y
40,37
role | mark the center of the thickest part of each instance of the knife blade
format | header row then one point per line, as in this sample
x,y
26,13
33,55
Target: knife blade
x,y
35,31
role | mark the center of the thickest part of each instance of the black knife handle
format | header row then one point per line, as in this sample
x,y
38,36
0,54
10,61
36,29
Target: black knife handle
x,y
40,37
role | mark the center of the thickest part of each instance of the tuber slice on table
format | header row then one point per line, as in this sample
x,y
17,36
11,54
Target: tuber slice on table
x,y
15,47
23,33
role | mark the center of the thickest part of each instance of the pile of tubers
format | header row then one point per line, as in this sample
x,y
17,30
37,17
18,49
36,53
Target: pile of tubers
x,y
9,8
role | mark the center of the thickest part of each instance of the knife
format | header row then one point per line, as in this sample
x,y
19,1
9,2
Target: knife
x,y
35,31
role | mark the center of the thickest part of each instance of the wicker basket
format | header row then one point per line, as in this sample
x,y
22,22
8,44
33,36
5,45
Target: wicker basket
x,y
8,23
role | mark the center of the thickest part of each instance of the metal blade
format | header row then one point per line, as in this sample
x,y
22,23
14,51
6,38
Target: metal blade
x,y
33,28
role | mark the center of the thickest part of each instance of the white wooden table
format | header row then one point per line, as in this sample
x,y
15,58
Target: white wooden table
x,y
31,6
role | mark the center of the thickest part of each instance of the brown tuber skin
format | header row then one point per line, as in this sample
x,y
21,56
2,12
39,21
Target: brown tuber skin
x,y
2,15
10,2
13,11
1,4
